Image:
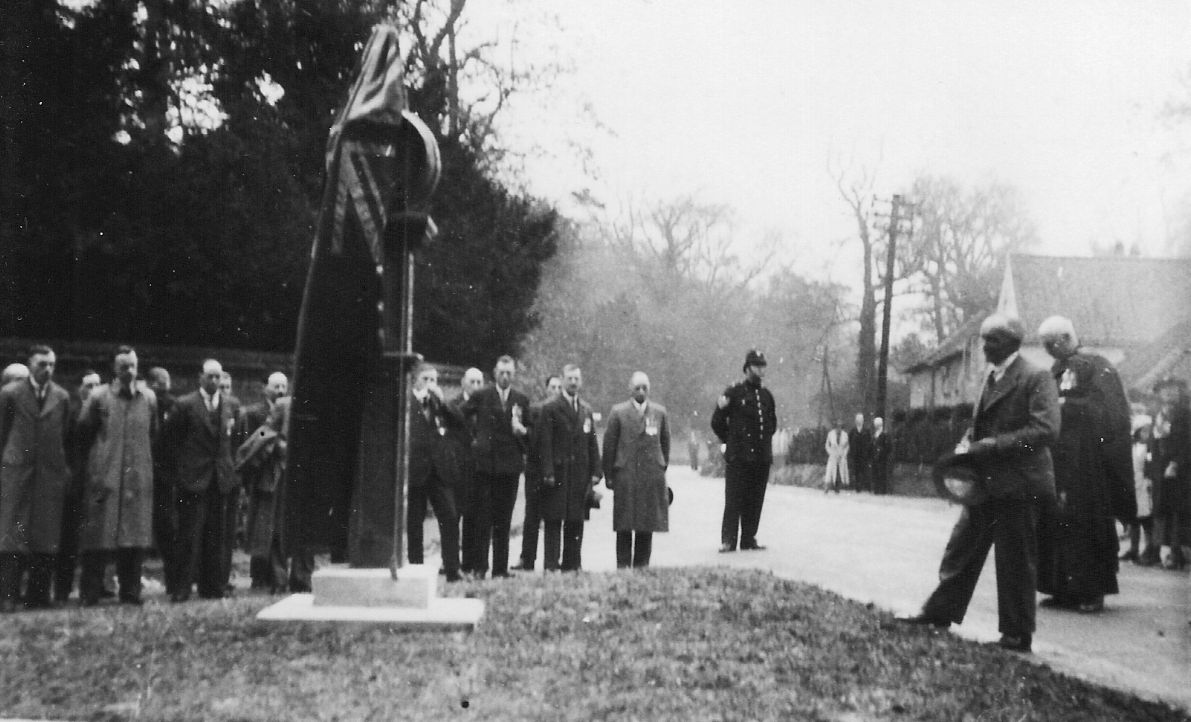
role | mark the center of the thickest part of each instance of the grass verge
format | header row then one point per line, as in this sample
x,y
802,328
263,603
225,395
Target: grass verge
x,y
687,644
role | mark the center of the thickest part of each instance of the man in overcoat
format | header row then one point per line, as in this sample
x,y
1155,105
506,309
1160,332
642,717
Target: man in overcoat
x,y
433,470
745,419
202,431
34,427
121,417
636,456
1016,420
532,522
262,492
499,413
1093,475
570,458
859,455
881,452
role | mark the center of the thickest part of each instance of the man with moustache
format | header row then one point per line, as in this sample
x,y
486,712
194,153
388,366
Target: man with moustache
x,y
570,459
1016,420
532,522
201,431
34,428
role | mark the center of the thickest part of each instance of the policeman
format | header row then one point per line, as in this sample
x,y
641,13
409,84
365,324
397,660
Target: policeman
x,y
744,420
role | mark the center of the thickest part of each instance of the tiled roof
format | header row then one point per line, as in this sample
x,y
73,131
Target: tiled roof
x,y
1113,301
1168,355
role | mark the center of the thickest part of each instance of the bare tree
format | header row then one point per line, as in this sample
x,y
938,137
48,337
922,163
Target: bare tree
x,y
856,190
960,242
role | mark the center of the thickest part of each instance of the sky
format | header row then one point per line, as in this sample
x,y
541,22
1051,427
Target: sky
x,y
752,102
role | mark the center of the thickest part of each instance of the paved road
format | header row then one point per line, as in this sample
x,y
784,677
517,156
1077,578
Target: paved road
x,y
886,550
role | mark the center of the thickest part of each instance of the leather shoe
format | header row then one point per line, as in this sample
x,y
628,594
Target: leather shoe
x,y
522,567
1015,644
453,577
1092,606
725,548
923,620
179,597
131,600
754,547
1058,603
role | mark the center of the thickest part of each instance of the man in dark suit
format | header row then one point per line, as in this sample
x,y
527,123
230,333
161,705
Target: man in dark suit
x,y
1016,420
859,455
745,419
880,453
165,481
498,411
201,431
433,470
531,524
465,487
34,427
570,458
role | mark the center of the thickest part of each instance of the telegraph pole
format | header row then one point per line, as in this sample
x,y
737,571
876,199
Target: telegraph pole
x,y
895,219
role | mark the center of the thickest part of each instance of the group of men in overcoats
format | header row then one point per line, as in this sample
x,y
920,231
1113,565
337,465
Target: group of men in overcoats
x,y
467,456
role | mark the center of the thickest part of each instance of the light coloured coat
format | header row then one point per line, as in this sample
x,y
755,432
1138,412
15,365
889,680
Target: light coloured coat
x,y
837,457
118,496
636,455
34,475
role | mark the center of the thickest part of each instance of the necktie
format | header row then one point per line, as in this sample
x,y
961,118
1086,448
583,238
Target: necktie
x,y
426,407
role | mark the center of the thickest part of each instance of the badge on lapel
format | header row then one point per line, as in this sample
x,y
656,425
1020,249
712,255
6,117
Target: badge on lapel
x,y
587,425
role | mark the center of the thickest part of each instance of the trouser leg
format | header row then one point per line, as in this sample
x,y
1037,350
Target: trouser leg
x,y
415,517
91,576
734,486
10,578
962,561
442,499
41,572
757,480
129,563
551,544
624,549
642,548
1015,538
479,520
572,546
192,517
504,498
212,547
68,547
230,527
530,525
165,531
301,566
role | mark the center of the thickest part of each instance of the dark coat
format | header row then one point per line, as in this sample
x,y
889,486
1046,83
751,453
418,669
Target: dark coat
x,y
1021,414
570,453
880,451
118,497
1171,443
261,459
496,449
431,452
533,453
859,447
747,424
204,443
1077,540
636,454
34,475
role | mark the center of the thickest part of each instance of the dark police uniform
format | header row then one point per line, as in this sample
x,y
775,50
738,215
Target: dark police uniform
x,y
746,425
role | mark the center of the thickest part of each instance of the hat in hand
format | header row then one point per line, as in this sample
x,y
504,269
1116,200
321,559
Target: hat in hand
x,y
754,358
957,479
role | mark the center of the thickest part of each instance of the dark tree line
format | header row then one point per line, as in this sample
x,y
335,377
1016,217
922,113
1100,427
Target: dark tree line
x,y
155,188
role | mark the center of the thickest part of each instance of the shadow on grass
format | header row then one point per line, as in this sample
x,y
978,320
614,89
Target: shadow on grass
x,y
659,644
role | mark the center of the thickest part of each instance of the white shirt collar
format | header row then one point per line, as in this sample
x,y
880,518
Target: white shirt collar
x,y
211,400
640,406
998,370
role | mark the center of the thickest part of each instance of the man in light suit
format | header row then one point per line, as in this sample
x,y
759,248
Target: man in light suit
x,y
1016,420
201,430
570,458
498,411
34,476
636,455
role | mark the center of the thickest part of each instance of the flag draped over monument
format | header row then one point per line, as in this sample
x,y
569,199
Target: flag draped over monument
x,y
382,164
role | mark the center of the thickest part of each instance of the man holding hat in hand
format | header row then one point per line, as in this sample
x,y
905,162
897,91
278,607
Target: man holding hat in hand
x,y
1016,420
744,420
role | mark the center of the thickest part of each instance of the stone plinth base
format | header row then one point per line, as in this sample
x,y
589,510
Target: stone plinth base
x,y
372,596
416,587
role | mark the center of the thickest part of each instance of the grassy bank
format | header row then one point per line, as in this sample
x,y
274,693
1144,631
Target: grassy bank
x,y
663,644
